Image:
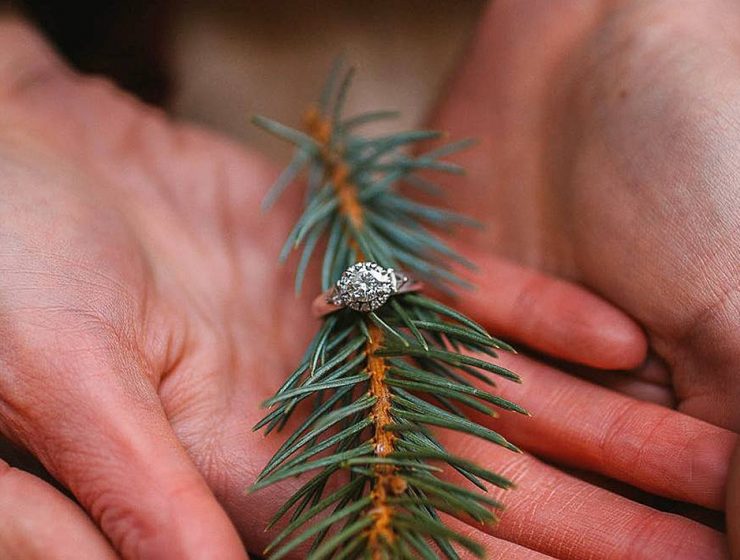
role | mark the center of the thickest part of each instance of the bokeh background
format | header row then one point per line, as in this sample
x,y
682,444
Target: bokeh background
x,y
219,62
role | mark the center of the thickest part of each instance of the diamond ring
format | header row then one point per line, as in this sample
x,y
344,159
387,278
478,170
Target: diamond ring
x,y
364,286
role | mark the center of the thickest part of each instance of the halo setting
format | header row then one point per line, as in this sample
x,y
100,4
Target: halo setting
x,y
366,286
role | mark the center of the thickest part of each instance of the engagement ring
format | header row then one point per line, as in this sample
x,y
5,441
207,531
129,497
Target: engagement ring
x,y
364,286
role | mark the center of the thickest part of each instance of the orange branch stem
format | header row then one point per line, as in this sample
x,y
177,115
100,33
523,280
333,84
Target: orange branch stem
x,y
387,482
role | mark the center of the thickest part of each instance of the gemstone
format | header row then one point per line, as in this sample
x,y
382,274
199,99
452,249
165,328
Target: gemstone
x,y
365,286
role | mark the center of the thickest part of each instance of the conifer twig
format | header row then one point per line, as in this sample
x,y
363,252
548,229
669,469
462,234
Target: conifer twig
x,y
381,380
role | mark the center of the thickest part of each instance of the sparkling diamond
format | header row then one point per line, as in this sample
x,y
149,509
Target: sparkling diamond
x,y
365,286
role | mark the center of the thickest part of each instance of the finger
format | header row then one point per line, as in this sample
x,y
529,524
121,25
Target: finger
x,y
553,316
631,385
496,548
569,519
257,508
651,381
38,522
653,370
649,446
638,389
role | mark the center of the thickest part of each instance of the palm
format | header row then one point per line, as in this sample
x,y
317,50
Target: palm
x,y
180,260
609,142
144,298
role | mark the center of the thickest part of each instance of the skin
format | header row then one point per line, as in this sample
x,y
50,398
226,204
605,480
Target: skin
x,y
143,321
35,519
609,134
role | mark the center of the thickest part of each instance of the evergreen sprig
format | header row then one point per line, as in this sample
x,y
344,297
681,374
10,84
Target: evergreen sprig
x,y
377,382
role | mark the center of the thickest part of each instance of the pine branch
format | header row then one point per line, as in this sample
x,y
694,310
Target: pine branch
x,y
374,378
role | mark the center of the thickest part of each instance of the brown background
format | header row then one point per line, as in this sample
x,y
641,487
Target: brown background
x,y
219,62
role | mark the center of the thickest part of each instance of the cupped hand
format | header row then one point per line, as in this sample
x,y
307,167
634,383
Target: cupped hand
x,y
143,321
609,156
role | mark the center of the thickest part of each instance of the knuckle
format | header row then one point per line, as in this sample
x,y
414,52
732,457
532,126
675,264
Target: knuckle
x,y
142,527
120,518
623,438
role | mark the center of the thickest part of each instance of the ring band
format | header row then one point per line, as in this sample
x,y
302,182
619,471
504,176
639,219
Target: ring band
x,y
364,286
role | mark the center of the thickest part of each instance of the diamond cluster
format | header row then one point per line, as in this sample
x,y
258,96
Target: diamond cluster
x,y
365,286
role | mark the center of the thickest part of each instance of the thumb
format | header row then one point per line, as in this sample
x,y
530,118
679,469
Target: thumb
x,y
39,522
88,410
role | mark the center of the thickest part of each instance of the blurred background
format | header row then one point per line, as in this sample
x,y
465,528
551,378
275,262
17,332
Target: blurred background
x,y
219,62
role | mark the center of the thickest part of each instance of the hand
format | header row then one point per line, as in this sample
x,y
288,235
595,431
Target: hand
x,y
144,320
609,156
35,518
